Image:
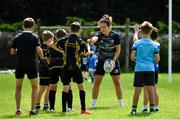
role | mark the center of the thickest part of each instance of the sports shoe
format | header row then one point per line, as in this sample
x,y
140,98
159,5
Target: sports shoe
x,y
93,104
133,112
18,113
156,110
86,112
32,113
45,108
52,110
70,110
144,110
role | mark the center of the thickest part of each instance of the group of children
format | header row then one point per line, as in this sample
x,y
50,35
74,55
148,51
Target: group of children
x,y
60,58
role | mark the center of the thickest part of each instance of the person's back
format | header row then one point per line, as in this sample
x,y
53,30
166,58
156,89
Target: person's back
x,y
25,46
26,43
145,50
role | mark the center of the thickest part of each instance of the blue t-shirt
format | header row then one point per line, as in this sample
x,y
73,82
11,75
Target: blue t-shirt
x,y
145,54
92,61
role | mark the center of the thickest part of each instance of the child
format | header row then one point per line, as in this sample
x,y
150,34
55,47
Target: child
x,y
144,53
47,37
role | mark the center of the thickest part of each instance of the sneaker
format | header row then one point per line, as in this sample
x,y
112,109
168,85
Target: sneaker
x,y
52,110
93,104
70,110
121,104
156,110
18,113
133,112
32,113
45,108
144,110
86,112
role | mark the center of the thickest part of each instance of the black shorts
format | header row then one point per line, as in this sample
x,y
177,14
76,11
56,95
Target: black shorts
x,y
74,72
100,69
84,67
156,77
55,75
144,79
29,68
44,81
44,72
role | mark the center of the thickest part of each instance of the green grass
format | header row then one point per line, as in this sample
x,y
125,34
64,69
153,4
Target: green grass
x,y
107,104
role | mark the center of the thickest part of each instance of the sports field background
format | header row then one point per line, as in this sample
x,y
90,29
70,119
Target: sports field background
x,y
107,104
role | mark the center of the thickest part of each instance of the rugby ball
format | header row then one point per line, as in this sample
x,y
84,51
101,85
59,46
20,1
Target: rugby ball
x,y
108,65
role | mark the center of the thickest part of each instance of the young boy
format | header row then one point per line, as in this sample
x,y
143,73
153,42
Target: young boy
x,y
47,37
145,53
153,36
26,45
73,46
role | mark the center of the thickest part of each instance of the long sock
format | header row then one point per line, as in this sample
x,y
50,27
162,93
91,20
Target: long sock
x,y
64,100
134,107
70,99
82,99
52,97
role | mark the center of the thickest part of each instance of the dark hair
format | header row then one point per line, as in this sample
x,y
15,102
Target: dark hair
x,y
60,33
155,33
28,22
106,19
75,27
146,27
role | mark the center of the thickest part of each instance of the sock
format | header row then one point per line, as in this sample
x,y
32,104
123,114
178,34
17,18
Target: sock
x,y
33,110
145,107
82,95
156,107
38,106
18,109
70,99
46,106
134,107
64,100
94,102
52,96
121,102
151,107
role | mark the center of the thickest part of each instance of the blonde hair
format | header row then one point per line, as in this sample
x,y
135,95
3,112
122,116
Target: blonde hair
x,y
46,35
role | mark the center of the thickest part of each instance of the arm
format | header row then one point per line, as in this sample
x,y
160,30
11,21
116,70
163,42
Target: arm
x,y
117,52
157,58
133,55
136,31
39,52
13,51
52,45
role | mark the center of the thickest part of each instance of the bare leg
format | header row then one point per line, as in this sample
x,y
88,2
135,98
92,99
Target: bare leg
x,y
19,83
117,85
34,86
97,83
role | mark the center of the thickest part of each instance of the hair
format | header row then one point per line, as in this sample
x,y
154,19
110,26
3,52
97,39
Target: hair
x,y
60,33
146,27
75,27
155,33
28,22
46,35
106,19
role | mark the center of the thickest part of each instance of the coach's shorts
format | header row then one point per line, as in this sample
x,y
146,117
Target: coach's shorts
x,y
74,73
100,69
55,75
144,79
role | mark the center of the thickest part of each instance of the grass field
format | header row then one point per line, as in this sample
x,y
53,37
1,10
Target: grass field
x,y
107,104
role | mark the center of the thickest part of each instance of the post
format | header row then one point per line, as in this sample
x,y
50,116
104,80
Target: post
x,y
38,27
127,45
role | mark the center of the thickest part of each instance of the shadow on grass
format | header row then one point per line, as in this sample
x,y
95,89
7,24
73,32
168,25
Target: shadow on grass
x,y
14,117
141,114
100,108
